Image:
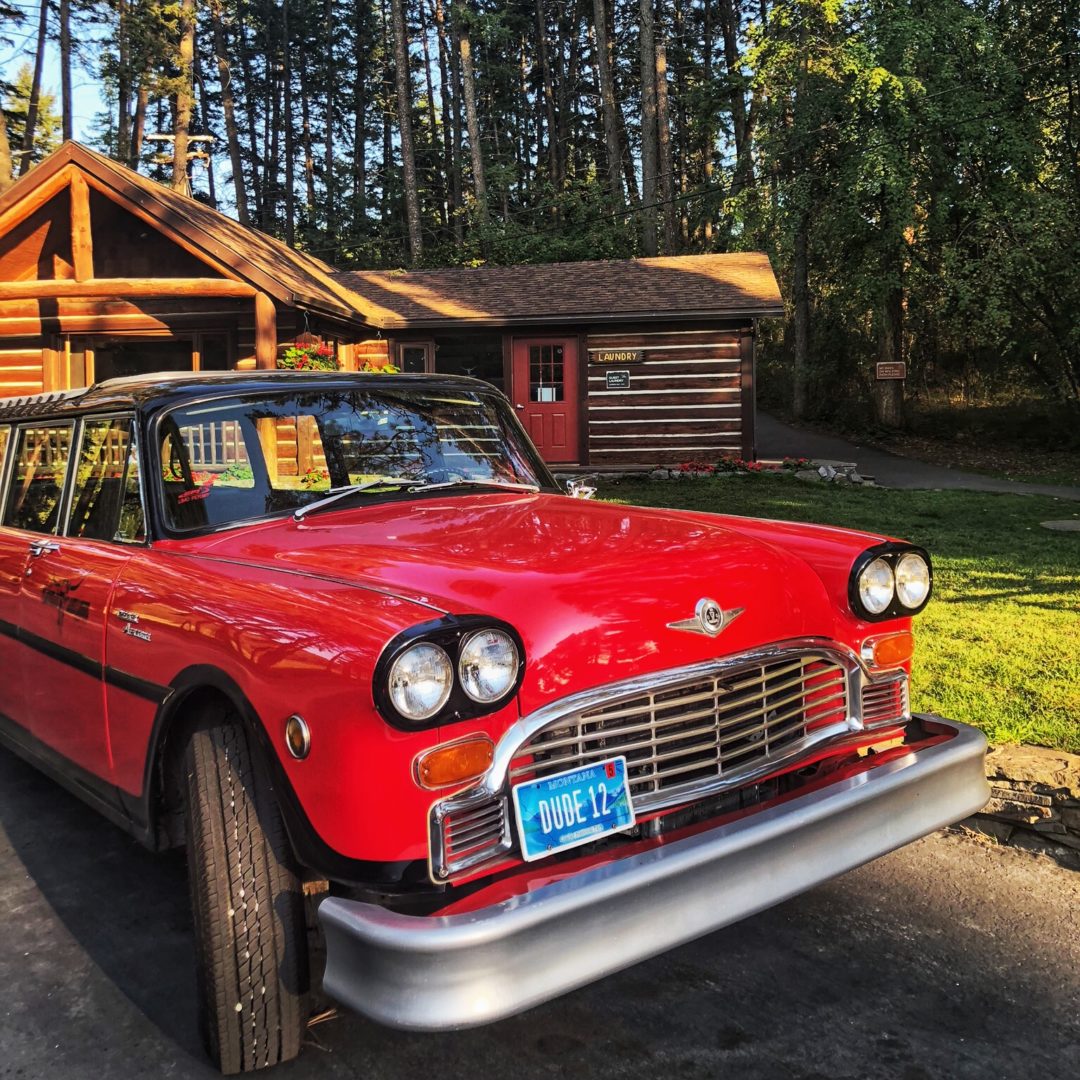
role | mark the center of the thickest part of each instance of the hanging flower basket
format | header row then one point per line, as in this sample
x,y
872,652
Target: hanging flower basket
x,y
309,355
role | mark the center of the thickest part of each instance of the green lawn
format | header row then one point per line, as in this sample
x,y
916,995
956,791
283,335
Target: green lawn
x,y
999,645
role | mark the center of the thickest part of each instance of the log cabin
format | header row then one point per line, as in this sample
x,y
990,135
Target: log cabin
x,y
611,364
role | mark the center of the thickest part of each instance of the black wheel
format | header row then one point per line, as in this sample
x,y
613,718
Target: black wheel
x,y
248,903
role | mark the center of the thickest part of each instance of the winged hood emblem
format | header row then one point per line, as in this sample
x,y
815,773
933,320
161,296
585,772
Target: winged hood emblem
x,y
709,618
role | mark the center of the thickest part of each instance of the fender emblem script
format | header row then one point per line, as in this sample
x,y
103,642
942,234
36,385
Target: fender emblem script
x,y
709,618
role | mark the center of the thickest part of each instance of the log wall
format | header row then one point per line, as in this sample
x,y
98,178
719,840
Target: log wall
x,y
689,398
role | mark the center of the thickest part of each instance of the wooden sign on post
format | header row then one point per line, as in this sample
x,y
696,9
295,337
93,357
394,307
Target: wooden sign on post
x,y
891,369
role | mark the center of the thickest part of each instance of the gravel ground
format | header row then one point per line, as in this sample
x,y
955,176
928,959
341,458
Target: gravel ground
x,y
948,959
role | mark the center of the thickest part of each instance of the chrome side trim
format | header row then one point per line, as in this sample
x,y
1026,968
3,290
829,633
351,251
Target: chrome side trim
x,y
496,782
454,971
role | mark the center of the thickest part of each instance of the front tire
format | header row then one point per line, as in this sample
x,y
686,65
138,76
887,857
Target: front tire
x,y
248,904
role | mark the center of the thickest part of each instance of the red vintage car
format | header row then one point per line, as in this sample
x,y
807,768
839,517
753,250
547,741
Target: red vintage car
x,y
346,638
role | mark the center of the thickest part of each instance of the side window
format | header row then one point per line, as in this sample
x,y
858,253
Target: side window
x,y
105,501
37,480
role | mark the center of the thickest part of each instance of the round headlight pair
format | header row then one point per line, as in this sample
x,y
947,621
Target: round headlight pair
x,y
421,679
900,582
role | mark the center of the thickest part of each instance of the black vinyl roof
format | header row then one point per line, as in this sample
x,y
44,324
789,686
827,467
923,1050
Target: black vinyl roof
x,y
162,388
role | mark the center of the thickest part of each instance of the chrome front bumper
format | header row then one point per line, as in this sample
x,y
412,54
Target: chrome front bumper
x,y
453,971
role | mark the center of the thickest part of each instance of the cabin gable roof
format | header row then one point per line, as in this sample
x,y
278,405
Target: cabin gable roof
x,y
228,248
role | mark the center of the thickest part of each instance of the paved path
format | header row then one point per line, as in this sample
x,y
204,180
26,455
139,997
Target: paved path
x,y
946,960
776,439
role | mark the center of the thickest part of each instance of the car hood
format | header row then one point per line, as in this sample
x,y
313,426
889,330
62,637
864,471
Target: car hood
x,y
591,587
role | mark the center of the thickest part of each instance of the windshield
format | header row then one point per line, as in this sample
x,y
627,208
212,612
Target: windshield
x,y
241,458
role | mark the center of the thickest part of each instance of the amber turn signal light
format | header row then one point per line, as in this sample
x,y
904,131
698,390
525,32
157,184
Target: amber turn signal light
x,y
455,762
889,650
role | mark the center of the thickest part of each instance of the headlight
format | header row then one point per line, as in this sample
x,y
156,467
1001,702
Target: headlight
x,y
446,670
876,586
488,665
892,580
420,681
912,580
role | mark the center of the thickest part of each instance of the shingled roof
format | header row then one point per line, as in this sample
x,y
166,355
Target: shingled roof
x,y
739,284
735,285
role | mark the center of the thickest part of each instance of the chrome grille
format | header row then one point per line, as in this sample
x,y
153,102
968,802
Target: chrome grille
x,y
690,734
885,701
469,831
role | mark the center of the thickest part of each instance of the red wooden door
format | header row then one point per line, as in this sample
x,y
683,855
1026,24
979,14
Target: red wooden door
x,y
545,394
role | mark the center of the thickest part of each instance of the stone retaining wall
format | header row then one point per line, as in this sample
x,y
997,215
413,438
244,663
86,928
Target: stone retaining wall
x,y
1035,801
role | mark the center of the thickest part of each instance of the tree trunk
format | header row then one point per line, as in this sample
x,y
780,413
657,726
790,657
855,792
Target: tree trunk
x,y
202,123
6,179
438,183
548,90
138,124
889,393
228,108
185,94
405,130
604,61
123,84
451,177
289,125
800,300
65,68
258,168
567,95
663,127
649,158
457,185
472,116
708,140
730,25
305,130
359,105
329,184
27,147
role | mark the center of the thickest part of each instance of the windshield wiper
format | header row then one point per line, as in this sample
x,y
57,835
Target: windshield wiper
x,y
412,485
353,489
508,485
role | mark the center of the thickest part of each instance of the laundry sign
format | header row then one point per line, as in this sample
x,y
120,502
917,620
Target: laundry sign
x,y
617,356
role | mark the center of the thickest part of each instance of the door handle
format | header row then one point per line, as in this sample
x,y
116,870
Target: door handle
x,y
520,408
43,547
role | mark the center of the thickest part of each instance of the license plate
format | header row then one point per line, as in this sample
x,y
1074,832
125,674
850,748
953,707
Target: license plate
x,y
572,808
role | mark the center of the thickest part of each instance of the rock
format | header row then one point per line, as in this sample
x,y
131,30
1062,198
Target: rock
x,y
1055,769
1006,810
810,475
1070,816
1069,839
1020,795
1049,828
827,472
1062,526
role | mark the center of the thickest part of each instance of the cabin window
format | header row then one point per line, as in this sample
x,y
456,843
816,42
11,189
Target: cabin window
x,y
105,503
416,357
478,355
546,373
37,480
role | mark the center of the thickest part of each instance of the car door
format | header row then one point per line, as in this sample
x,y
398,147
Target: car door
x,y
14,556
30,519
65,594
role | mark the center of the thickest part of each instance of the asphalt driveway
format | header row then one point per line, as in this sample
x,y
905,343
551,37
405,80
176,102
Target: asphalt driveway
x,y
776,439
948,959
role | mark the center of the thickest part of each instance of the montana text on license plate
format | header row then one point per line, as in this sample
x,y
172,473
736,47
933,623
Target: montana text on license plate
x,y
572,808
